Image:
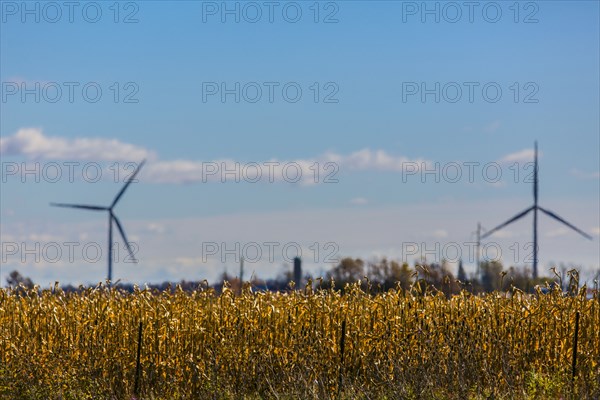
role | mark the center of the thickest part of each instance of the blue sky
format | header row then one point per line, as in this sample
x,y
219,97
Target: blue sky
x,y
375,129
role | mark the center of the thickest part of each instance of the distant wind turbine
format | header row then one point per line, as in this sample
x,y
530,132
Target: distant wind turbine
x,y
535,209
111,218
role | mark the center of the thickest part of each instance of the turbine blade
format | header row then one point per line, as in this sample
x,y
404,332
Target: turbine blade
x,y
122,232
513,219
84,206
556,217
131,179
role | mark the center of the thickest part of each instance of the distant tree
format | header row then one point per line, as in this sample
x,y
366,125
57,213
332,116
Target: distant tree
x,y
225,277
14,279
282,281
286,275
402,274
379,272
436,276
388,274
347,271
520,278
491,276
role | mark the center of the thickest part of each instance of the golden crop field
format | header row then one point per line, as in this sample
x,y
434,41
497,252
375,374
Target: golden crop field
x,y
309,344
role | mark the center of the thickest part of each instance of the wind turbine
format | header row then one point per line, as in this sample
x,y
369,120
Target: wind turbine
x,y
535,209
111,218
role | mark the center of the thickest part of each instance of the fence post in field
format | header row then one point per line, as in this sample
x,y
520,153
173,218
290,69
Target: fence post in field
x,y
574,366
342,345
137,364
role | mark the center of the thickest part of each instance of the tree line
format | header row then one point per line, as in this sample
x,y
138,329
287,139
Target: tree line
x,y
375,276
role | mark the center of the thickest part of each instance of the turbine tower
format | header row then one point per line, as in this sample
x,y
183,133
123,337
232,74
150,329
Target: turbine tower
x,y
535,209
111,218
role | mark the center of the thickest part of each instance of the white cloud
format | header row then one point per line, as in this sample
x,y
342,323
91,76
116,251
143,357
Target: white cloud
x,y
440,233
176,171
525,155
34,144
503,234
7,238
156,228
498,184
227,170
367,159
189,261
585,175
44,238
492,127
276,170
558,232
